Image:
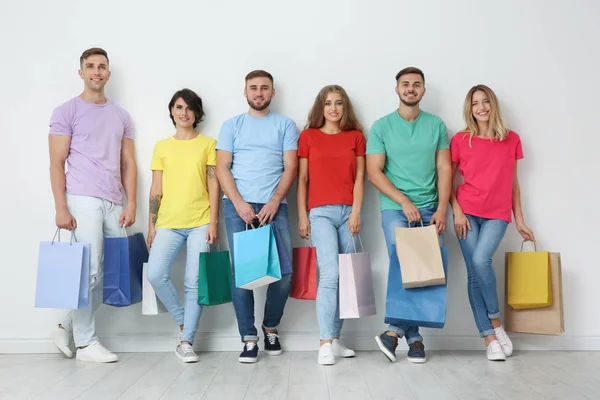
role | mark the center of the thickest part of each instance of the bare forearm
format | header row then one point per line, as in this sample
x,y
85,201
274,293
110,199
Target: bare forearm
x,y
213,194
155,199
301,197
287,179
228,184
58,183
358,194
385,186
129,178
444,186
516,204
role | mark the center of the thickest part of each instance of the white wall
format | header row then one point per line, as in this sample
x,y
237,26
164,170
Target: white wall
x,y
541,58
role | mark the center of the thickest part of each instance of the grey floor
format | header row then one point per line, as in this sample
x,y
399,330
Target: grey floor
x,y
296,375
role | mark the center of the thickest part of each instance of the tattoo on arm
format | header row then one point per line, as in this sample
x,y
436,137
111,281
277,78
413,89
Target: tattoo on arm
x,y
210,171
154,206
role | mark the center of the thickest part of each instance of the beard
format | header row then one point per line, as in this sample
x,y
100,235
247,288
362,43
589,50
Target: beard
x,y
259,108
410,103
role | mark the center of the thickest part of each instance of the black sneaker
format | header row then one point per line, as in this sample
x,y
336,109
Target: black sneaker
x,y
272,345
416,352
387,344
250,353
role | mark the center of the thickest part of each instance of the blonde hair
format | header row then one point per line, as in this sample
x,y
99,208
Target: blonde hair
x,y
497,126
316,116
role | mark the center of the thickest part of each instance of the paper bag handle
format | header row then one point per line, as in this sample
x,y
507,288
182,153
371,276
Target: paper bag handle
x,y
58,233
534,244
354,244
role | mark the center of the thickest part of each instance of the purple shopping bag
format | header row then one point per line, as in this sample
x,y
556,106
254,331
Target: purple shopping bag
x,y
357,298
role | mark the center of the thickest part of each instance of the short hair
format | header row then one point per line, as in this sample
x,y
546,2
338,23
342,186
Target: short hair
x,y
259,73
193,101
410,70
92,52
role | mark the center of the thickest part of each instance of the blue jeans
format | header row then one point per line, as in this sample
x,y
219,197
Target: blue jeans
x,y
165,247
278,292
478,248
390,219
330,235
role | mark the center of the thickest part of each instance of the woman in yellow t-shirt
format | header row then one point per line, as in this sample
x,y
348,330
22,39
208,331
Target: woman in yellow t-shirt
x,y
184,207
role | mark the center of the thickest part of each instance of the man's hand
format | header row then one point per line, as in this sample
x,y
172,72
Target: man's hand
x,y
245,211
439,219
64,220
412,213
267,213
127,218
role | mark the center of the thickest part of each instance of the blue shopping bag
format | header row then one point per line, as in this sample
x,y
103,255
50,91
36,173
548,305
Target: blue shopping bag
x,y
424,306
63,278
124,259
284,257
256,259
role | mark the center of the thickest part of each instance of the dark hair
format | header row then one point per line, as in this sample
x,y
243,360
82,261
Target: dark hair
x,y
193,101
92,52
410,70
259,73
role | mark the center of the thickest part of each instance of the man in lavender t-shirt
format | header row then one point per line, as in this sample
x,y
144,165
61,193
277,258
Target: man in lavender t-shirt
x,y
95,138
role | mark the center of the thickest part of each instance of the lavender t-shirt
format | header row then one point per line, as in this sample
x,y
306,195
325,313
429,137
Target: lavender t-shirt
x,y
94,161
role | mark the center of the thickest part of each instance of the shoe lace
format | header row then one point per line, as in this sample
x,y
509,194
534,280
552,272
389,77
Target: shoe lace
x,y
272,337
501,336
416,346
186,347
250,346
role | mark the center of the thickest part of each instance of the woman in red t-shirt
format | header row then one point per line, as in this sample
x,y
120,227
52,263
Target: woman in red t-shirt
x,y
486,154
331,153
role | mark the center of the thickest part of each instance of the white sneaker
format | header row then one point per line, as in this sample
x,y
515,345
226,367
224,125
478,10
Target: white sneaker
x,y
326,355
494,351
61,339
339,350
185,353
96,353
507,346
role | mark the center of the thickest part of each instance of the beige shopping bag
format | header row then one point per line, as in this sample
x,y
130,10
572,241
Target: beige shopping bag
x,y
420,257
543,321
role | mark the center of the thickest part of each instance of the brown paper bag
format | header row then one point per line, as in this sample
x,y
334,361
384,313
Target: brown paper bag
x,y
420,257
543,321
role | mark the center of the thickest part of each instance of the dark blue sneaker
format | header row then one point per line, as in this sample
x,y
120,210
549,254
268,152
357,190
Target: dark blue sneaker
x,y
387,344
416,352
272,345
250,353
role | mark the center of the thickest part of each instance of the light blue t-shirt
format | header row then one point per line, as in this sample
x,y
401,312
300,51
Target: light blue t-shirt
x,y
257,146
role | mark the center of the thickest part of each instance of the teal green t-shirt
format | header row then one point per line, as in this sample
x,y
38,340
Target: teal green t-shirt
x,y
410,152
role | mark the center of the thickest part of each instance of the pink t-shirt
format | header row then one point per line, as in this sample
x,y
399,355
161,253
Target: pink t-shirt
x,y
488,168
94,161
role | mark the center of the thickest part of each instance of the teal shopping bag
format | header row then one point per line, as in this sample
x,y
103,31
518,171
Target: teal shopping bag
x,y
256,261
214,278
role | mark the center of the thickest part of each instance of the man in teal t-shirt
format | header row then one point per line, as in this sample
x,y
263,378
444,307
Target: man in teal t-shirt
x,y
408,161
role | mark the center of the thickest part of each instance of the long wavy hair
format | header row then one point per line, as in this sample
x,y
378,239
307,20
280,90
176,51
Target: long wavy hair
x,y
316,116
497,126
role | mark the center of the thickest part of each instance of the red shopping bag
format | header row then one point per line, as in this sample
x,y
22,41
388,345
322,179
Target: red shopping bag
x,y
304,278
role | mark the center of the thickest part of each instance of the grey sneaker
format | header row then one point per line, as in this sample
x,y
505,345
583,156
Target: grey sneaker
x,y
185,352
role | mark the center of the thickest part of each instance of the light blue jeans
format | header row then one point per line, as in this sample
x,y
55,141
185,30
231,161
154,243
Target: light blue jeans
x,y
390,219
478,249
165,247
96,219
330,235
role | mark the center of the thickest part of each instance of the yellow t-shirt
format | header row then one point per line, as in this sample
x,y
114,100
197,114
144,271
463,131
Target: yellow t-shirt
x,y
185,202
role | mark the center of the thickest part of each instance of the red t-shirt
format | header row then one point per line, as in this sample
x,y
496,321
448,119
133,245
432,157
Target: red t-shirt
x,y
331,165
488,168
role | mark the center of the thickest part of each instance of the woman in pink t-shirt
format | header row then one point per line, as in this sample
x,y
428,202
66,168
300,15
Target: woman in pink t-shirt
x,y
486,154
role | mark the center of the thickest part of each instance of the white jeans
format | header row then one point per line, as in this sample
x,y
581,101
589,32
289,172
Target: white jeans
x,y
96,219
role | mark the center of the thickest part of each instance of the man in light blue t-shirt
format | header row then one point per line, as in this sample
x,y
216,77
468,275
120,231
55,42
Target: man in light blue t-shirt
x,y
256,166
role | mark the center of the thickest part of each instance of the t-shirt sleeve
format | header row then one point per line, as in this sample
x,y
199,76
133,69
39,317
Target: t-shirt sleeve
x,y
60,123
211,158
129,131
157,161
443,137
455,148
225,141
519,150
290,136
375,143
303,145
361,144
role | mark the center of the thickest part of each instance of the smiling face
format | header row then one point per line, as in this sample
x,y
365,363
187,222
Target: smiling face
x,y
410,89
182,115
94,73
334,108
259,92
481,106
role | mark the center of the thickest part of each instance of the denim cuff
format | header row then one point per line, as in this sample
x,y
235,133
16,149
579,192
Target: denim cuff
x,y
494,315
413,339
487,333
399,331
249,337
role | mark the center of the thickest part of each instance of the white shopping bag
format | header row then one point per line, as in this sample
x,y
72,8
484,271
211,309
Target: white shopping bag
x,y
150,303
